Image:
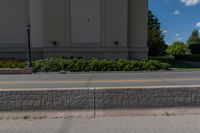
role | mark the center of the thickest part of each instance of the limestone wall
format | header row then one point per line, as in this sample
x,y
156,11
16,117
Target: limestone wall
x,y
137,28
98,98
95,28
12,23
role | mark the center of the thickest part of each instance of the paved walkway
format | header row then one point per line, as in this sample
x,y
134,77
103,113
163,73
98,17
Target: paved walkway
x,y
112,79
137,124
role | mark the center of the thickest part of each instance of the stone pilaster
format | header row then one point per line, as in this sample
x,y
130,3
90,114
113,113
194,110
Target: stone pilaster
x,y
36,19
137,29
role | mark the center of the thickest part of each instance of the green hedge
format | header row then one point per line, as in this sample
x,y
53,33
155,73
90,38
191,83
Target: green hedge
x,y
56,64
190,57
77,64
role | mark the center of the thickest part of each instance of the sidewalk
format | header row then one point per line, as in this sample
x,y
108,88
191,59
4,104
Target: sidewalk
x,y
136,124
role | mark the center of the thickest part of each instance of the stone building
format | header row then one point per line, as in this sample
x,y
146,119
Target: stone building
x,y
89,28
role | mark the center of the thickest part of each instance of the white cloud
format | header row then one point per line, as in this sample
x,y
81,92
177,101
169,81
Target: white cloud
x,y
178,37
177,12
164,31
190,2
198,25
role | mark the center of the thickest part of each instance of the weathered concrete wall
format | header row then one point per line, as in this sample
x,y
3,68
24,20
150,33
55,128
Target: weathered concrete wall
x,y
13,35
20,53
114,29
147,98
37,23
99,98
116,23
55,22
66,99
12,23
85,21
137,28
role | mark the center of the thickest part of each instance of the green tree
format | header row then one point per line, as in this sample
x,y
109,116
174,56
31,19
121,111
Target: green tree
x,y
177,48
194,42
194,38
156,41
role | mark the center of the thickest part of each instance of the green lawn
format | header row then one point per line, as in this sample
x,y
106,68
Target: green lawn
x,y
174,63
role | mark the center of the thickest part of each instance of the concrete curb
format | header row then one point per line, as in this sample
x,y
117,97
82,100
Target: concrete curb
x,y
99,113
69,99
16,71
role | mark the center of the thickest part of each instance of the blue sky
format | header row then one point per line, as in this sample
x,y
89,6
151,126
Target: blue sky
x,y
178,17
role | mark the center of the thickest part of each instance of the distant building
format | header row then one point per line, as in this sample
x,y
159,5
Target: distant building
x,y
89,28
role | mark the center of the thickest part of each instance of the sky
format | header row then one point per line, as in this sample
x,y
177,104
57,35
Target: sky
x,y
177,17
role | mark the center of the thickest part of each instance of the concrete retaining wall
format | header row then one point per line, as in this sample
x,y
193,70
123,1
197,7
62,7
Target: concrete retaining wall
x,y
46,99
147,97
98,98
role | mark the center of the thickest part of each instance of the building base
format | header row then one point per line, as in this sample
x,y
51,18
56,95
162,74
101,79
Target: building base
x,y
101,53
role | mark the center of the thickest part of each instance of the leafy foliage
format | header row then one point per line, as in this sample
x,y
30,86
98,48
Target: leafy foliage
x,y
156,41
195,48
177,48
194,42
57,64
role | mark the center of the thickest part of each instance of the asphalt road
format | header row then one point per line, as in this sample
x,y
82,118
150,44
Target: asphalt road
x,y
112,79
137,124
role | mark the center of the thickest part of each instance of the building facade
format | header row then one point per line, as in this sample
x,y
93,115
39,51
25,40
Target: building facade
x,y
109,29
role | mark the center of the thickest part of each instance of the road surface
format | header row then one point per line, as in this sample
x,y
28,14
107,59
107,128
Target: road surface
x,y
110,79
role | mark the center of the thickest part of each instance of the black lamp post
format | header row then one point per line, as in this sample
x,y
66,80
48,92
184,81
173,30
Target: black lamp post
x,y
28,29
29,46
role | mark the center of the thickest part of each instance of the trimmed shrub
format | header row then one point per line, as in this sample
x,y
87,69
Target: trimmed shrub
x,y
56,64
78,64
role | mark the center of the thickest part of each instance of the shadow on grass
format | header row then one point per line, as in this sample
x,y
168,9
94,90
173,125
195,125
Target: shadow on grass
x,y
174,63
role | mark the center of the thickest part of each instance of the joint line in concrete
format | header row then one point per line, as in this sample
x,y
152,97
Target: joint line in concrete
x,y
94,101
